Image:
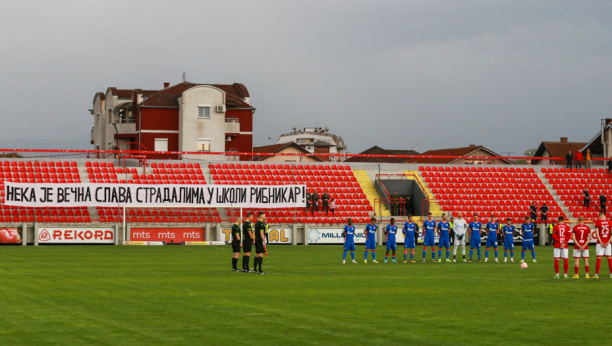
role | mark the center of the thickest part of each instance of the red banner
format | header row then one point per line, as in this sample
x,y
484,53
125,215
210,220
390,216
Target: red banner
x,y
169,235
10,236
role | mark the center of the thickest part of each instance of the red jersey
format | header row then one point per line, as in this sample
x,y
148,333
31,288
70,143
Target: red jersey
x,y
582,235
603,229
561,233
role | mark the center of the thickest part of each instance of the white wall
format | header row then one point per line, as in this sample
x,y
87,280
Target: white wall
x,y
191,128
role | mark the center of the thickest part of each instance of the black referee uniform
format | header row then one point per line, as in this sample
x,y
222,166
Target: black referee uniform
x,y
259,244
235,245
247,242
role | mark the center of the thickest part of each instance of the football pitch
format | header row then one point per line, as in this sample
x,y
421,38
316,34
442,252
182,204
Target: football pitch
x,y
182,295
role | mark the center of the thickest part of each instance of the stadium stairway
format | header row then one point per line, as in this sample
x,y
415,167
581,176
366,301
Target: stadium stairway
x,y
367,186
434,207
556,196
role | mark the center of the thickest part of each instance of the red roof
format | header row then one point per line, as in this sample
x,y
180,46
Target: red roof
x,y
558,149
464,151
169,96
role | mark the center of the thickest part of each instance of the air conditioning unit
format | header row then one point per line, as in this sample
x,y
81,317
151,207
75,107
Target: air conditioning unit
x,y
221,109
228,138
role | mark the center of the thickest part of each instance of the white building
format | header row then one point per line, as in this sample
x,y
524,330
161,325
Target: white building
x,y
315,140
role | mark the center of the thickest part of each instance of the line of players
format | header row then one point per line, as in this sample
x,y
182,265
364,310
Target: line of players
x,y
562,233
581,235
442,230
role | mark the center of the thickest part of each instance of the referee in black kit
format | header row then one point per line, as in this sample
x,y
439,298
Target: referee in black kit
x,y
260,241
236,245
247,242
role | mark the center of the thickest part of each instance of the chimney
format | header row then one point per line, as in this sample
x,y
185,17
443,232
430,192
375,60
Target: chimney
x,y
472,145
166,85
563,139
608,121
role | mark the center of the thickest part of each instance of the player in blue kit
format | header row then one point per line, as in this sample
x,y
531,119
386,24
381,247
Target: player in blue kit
x,y
527,230
390,232
492,230
370,234
474,229
408,232
429,229
508,231
349,240
444,238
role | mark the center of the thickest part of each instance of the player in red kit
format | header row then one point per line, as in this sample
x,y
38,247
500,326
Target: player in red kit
x,y
603,243
561,235
581,237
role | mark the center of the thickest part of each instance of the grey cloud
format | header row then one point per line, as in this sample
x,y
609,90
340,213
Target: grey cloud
x,y
504,74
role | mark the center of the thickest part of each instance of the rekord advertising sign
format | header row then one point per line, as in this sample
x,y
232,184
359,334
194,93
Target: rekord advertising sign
x,y
332,236
57,235
275,235
168,235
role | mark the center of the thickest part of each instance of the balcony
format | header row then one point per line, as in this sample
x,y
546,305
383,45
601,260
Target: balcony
x,y
232,125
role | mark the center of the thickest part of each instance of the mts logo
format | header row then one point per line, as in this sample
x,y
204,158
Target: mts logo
x,y
274,235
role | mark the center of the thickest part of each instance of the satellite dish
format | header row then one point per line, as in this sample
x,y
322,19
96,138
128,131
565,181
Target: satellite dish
x,y
327,129
295,128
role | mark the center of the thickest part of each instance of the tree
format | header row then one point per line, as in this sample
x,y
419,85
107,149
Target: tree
x,y
527,153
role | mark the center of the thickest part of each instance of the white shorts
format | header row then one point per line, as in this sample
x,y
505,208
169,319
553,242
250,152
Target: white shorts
x,y
560,254
601,251
584,253
459,242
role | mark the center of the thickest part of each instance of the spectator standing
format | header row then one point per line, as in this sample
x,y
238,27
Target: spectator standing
x,y
588,158
394,203
544,214
569,157
587,198
609,164
578,159
325,200
332,206
602,203
408,206
416,233
315,201
533,212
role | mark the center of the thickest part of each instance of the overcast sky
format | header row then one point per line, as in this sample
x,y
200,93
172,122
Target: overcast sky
x,y
405,74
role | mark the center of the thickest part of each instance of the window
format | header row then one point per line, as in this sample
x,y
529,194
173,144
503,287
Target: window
x,y
204,112
161,144
203,144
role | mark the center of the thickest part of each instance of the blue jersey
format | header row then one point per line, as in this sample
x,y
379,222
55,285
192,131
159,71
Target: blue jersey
x,y
349,234
527,231
371,232
475,227
444,227
492,228
391,232
508,232
428,228
409,229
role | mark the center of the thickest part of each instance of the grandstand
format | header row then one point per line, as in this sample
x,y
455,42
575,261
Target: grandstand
x,y
357,188
570,183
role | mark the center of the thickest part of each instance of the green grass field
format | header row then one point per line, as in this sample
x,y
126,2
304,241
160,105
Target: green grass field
x,y
179,295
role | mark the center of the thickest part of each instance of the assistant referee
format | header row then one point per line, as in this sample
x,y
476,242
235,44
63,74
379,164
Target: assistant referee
x,y
247,241
260,241
236,245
